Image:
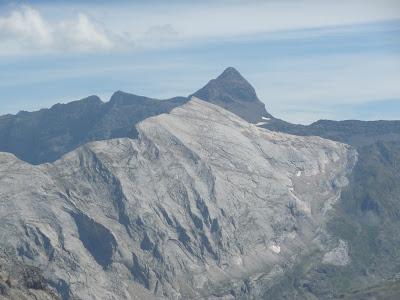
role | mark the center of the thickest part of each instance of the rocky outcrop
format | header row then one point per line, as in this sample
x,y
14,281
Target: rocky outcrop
x,y
234,93
201,205
20,281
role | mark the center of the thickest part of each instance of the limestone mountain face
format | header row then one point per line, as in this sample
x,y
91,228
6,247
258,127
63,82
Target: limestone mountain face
x,y
201,205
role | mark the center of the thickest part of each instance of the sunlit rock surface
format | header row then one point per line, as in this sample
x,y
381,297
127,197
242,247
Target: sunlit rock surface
x,y
202,205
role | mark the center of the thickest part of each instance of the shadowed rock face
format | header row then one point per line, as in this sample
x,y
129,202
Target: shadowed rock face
x,y
234,93
228,87
96,238
202,205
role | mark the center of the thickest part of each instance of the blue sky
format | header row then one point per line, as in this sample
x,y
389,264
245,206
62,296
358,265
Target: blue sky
x,y
307,59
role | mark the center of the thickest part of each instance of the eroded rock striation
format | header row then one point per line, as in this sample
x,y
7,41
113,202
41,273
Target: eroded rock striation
x,y
201,205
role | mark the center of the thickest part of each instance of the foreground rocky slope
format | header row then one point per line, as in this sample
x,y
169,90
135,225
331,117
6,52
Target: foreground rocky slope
x,y
202,204
19,281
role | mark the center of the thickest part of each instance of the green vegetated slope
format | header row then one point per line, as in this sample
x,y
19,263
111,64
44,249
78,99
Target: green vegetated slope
x,y
368,218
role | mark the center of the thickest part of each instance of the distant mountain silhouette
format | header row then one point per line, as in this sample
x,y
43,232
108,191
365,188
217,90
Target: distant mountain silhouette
x,y
45,135
354,132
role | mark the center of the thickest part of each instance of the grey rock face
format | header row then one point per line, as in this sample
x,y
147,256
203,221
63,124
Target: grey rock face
x,y
232,92
21,282
201,205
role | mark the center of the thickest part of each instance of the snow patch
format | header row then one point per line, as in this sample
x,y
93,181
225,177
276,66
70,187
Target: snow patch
x,y
275,248
302,205
265,118
238,261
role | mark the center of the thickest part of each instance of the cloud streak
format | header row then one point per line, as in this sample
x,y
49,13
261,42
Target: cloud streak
x,y
95,28
25,30
302,58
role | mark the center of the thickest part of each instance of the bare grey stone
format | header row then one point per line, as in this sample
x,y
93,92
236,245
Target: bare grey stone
x,y
202,204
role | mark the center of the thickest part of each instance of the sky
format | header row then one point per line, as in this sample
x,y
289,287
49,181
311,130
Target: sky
x,y
307,59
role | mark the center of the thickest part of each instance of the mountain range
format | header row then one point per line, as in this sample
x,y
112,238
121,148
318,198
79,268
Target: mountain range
x,y
201,197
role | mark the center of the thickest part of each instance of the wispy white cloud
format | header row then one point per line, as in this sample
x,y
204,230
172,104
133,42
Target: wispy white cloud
x,y
25,27
132,26
83,34
158,35
25,30
224,19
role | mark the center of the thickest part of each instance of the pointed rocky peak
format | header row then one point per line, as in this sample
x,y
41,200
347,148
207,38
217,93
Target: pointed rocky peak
x,y
233,92
118,96
231,74
230,86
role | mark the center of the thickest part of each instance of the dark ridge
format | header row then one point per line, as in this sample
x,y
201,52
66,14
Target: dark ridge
x,y
45,135
121,98
353,132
